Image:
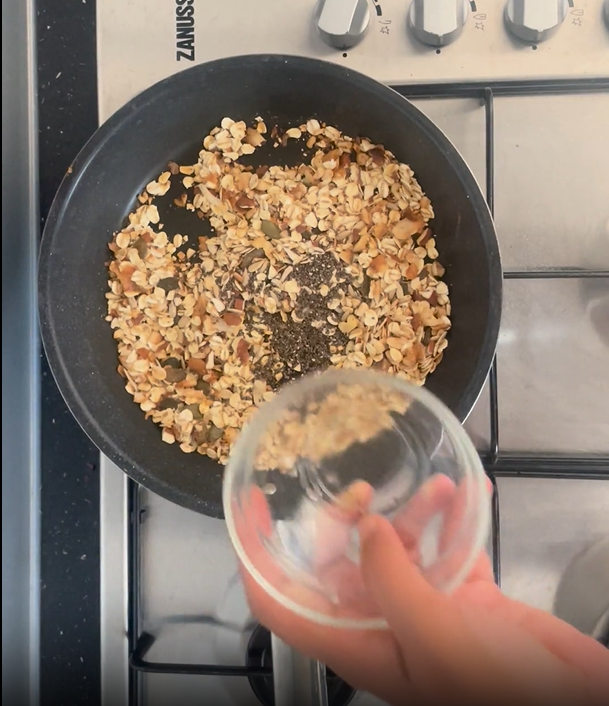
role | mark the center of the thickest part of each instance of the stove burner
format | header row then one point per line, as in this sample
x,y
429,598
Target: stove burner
x,y
259,655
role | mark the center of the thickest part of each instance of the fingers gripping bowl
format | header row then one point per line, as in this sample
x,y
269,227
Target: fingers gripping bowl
x,y
167,123
331,449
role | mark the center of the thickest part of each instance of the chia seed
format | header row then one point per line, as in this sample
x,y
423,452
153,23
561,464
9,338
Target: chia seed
x,y
300,346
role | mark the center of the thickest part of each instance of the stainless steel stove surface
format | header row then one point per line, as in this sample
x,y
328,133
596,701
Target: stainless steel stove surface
x,y
530,118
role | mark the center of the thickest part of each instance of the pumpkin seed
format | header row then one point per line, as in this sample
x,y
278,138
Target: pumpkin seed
x,y
203,385
142,247
249,257
168,403
200,436
169,283
270,229
175,375
196,413
214,433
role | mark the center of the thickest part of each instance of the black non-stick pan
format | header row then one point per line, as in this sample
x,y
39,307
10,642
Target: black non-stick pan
x,y
168,122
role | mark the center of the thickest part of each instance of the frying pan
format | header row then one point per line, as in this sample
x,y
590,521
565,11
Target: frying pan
x,y
168,122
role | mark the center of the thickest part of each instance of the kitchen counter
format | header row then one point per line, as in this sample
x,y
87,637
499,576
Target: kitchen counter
x,y
69,463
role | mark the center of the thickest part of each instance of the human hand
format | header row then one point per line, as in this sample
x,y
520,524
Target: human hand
x,y
475,646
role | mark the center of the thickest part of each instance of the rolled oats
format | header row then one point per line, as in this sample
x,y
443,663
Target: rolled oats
x,y
313,434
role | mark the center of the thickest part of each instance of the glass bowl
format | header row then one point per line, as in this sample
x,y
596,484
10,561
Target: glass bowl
x,y
331,448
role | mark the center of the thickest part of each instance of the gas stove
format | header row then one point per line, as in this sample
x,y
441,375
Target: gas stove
x,y
522,89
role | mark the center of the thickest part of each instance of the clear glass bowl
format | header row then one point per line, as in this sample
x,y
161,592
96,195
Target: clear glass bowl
x,y
326,451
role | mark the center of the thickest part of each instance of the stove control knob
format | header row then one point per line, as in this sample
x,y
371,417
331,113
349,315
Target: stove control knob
x,y
535,20
342,23
437,22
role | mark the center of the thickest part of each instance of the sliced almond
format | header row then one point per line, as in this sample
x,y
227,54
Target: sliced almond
x,y
243,351
378,267
406,228
196,365
232,319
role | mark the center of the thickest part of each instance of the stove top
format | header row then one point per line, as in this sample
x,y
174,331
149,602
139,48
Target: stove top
x,y
522,89
396,42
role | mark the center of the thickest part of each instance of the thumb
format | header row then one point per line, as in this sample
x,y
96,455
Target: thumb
x,y
431,634
408,602
423,624
477,654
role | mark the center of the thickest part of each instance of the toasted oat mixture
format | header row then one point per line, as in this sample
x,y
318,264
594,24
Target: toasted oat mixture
x,y
327,264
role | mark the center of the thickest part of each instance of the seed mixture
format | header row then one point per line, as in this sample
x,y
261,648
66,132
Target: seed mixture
x,y
330,263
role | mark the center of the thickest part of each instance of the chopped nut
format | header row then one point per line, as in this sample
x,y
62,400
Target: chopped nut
x,y
196,365
168,437
243,351
377,155
377,267
253,137
407,227
232,319
244,203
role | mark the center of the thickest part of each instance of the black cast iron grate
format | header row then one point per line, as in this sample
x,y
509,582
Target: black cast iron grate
x,y
496,464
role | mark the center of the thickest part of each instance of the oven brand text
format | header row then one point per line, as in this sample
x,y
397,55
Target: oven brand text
x,y
185,30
